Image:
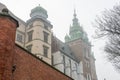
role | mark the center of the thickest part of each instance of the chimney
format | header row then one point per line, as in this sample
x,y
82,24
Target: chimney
x,y
8,27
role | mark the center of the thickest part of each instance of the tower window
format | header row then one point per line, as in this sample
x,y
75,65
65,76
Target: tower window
x,y
19,37
64,62
45,51
31,25
45,37
76,66
46,27
29,47
30,35
88,77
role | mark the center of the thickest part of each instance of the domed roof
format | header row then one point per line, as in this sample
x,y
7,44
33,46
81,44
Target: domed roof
x,y
39,11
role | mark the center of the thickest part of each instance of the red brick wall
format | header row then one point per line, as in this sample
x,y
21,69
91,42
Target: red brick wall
x,y
7,39
28,67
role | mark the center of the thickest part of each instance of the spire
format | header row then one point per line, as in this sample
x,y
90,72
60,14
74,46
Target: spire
x,y
75,20
75,13
76,31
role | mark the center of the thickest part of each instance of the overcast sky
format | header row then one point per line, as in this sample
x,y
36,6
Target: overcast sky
x,y
60,13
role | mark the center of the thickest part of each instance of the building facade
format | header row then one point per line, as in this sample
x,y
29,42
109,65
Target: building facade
x,y
64,60
73,58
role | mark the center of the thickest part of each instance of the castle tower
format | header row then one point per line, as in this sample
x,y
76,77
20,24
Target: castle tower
x,y
38,34
75,31
7,43
81,48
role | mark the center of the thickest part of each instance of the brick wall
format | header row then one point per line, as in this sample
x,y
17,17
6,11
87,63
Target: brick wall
x,y
29,67
7,39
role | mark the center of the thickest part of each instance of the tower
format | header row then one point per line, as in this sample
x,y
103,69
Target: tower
x,y
75,31
81,48
38,34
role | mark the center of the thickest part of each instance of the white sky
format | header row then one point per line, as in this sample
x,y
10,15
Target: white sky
x,y
60,13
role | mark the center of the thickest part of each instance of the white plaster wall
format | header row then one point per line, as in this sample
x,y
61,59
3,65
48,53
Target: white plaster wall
x,y
57,57
70,70
58,61
81,71
67,66
21,30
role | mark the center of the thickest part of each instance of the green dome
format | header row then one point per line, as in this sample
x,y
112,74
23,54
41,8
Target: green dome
x,y
39,11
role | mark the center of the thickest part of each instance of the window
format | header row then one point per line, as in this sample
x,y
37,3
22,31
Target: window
x,y
30,35
87,63
46,27
70,63
86,52
46,37
45,51
29,47
31,25
76,66
64,63
19,37
88,77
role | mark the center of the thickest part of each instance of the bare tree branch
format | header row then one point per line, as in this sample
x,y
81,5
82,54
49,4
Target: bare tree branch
x,y
109,25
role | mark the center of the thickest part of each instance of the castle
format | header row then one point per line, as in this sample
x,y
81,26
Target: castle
x,y
73,57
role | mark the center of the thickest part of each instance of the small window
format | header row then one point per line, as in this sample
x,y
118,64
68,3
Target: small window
x,y
46,27
19,37
76,66
86,52
64,63
29,47
70,63
88,77
88,64
45,51
45,37
31,25
30,35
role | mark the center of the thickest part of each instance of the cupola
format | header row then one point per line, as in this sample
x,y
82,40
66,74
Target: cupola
x,y
39,12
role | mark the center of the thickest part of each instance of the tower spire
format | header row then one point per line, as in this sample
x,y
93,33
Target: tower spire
x,y
75,13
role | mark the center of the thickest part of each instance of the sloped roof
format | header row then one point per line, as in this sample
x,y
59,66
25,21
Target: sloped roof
x,y
65,49
2,6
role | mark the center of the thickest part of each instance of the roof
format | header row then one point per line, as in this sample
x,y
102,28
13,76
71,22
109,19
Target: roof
x,y
2,6
39,11
65,49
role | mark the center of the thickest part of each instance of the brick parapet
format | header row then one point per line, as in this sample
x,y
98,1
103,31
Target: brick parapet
x,y
7,43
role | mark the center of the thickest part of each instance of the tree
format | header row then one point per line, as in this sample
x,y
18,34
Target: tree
x,y
109,25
